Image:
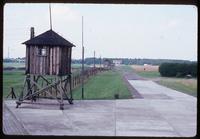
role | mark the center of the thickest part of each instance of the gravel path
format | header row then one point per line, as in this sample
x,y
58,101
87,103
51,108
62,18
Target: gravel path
x,y
130,75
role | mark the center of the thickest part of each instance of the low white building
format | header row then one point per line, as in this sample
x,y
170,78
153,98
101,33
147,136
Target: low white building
x,y
117,62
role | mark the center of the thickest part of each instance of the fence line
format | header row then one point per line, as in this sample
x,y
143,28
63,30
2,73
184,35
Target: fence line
x,y
76,79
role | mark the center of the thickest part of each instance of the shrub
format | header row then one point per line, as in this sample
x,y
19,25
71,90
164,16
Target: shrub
x,y
21,68
9,68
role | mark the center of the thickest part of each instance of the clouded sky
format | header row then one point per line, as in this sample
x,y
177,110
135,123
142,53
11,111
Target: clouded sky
x,y
125,31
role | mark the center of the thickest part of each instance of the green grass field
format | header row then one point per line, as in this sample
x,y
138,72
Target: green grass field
x,y
13,64
12,79
104,86
17,65
125,68
188,86
149,74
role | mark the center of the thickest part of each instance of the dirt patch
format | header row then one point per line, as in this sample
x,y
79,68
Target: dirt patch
x,y
145,67
134,92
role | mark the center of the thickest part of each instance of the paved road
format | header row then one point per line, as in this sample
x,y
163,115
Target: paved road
x,y
179,110
161,112
11,125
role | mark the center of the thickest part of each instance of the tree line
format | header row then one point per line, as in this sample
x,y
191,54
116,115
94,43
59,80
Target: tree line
x,y
126,61
129,61
178,69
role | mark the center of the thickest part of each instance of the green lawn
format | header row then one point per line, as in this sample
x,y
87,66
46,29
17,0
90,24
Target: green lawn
x,y
79,66
17,65
12,79
125,68
104,86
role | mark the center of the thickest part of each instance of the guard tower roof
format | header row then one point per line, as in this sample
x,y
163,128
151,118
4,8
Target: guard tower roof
x,y
49,38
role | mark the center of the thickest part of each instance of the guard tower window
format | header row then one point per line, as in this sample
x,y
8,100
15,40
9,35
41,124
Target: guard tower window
x,y
42,52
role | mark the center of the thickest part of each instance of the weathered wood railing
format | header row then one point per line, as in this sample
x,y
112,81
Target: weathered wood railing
x,y
76,78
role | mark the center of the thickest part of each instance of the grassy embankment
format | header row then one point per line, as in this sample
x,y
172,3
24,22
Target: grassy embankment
x,y
188,86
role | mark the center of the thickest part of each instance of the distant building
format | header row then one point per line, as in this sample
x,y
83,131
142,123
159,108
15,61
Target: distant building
x,y
20,60
117,62
107,64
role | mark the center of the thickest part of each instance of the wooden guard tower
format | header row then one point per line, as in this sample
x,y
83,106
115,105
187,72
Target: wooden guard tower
x,y
48,68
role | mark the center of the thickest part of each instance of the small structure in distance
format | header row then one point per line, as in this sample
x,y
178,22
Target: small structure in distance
x,y
117,62
107,64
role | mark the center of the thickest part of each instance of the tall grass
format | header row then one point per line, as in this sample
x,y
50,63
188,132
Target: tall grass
x,y
188,86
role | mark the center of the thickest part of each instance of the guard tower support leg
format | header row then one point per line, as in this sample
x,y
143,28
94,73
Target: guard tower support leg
x,y
70,89
61,94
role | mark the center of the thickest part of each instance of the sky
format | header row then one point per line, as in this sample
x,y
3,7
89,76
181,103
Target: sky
x,y
111,30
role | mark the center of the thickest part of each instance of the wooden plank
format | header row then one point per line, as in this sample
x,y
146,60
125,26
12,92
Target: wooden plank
x,y
44,63
27,59
57,64
54,61
66,61
61,60
70,60
54,53
38,62
48,58
35,70
42,59
57,60
32,59
50,61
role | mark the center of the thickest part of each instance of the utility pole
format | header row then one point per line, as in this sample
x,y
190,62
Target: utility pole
x,y
50,16
82,81
100,61
94,59
8,52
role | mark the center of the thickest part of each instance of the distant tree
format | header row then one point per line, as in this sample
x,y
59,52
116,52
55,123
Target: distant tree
x,y
178,69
